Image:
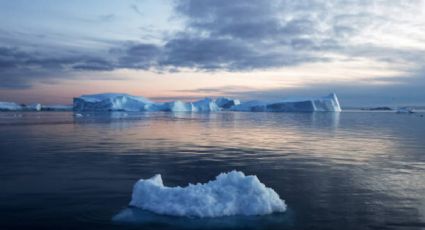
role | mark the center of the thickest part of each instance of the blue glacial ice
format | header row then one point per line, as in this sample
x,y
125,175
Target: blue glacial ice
x,y
111,102
229,194
125,102
329,103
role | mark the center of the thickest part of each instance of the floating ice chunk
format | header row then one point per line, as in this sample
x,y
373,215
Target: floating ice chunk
x,y
229,194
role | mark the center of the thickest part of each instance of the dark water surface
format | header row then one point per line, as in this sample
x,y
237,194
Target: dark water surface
x,y
353,170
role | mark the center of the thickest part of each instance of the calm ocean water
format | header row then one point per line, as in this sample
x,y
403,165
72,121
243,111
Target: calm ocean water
x,y
353,170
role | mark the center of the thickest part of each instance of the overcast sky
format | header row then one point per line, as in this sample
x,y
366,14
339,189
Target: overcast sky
x,y
370,52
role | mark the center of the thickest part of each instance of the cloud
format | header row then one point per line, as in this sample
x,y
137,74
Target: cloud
x,y
107,17
249,35
136,9
92,64
137,56
19,69
222,53
244,35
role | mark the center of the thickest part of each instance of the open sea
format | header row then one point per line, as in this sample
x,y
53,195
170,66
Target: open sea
x,y
349,170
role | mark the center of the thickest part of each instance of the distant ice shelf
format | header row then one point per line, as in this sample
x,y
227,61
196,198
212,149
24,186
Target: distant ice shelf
x,y
12,106
229,194
9,106
125,102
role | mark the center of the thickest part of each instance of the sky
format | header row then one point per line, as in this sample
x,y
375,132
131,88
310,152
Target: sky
x,y
370,52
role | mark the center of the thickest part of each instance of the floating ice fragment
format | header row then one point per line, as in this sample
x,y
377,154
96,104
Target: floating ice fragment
x,y
229,194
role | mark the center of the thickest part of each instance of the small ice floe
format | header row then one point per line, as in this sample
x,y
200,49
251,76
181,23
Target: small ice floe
x,y
230,194
78,115
405,110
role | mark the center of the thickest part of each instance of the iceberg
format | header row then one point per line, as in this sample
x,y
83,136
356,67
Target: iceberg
x,y
329,103
12,106
110,102
125,102
9,106
405,110
229,194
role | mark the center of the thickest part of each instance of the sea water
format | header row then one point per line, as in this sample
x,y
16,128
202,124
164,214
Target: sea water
x,y
349,170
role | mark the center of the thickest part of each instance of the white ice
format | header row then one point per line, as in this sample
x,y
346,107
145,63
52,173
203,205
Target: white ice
x,y
229,194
